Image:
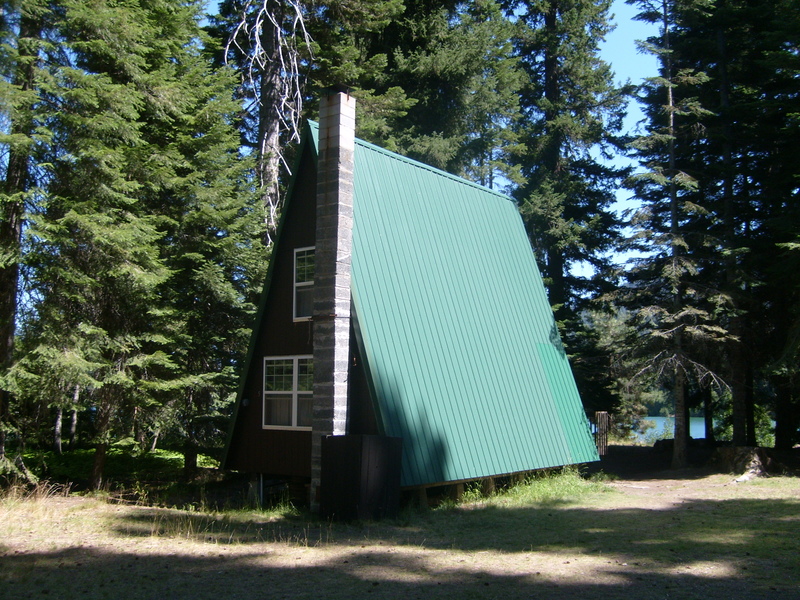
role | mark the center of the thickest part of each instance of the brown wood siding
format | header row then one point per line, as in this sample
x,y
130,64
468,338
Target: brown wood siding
x,y
253,448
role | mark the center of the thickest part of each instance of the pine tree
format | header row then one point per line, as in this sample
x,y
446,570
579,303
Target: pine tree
x,y
348,51
752,92
22,29
716,177
465,79
570,120
742,171
213,228
784,369
144,249
677,308
491,100
571,108
435,80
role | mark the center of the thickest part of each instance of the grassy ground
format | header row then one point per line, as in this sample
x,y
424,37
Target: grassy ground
x,y
684,534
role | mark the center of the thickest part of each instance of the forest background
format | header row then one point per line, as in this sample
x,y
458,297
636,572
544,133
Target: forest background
x,y
144,146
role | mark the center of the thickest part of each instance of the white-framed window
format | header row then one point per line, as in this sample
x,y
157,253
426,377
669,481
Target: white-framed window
x,y
288,392
303,301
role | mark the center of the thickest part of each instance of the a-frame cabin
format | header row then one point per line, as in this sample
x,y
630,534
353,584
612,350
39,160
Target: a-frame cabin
x,y
402,301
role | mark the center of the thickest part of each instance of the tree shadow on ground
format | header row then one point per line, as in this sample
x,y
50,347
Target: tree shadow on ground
x,y
739,548
92,574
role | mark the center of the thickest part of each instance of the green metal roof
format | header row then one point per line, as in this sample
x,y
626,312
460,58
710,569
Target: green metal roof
x,y
454,325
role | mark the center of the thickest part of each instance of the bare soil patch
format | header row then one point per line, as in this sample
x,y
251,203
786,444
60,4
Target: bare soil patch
x,y
647,534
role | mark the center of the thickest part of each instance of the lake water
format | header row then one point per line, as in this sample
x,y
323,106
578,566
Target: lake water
x,y
697,428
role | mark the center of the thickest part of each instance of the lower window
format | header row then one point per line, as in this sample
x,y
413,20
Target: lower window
x,y
288,392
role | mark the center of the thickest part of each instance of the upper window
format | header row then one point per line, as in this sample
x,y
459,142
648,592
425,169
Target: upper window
x,y
288,392
303,284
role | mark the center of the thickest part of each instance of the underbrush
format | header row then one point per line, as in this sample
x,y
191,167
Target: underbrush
x,y
285,523
41,490
122,465
546,486
155,478
281,523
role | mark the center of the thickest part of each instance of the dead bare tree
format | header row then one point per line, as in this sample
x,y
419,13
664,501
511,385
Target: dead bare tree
x,y
270,37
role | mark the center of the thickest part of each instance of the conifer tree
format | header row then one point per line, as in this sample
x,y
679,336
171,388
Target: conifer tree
x,y
751,179
212,245
571,115
465,78
22,29
348,51
571,108
436,80
97,257
144,248
741,170
679,335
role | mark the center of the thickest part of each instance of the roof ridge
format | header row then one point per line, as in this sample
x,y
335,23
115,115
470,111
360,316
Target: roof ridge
x,y
419,164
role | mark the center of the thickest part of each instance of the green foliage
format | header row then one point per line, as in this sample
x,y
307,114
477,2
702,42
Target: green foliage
x,y
542,487
140,257
723,423
572,108
436,81
461,69
142,249
572,118
122,466
565,484
717,201
347,51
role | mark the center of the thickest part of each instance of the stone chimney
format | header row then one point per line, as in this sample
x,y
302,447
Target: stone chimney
x,y
332,273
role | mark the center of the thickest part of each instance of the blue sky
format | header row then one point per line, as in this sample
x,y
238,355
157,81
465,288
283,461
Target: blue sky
x,y
620,51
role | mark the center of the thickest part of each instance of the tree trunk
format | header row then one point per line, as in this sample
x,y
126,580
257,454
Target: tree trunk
x,y
269,120
73,427
3,421
741,382
14,186
738,393
787,415
708,415
57,431
138,432
557,293
552,155
736,348
681,442
155,440
190,461
750,405
98,466
73,418
102,425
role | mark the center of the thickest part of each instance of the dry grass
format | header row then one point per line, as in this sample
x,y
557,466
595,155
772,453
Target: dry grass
x,y
697,536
